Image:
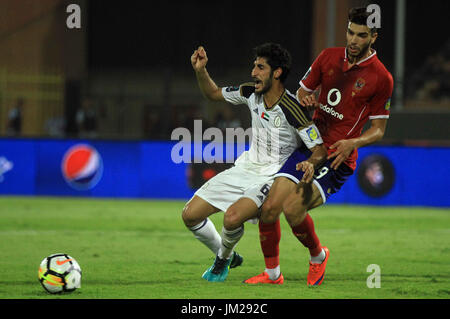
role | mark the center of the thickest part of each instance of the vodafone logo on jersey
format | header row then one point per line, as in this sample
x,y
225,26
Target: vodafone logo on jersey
x,y
333,98
82,167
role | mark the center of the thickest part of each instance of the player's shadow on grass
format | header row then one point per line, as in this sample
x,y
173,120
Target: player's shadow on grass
x,y
332,277
63,295
183,262
384,277
131,282
416,277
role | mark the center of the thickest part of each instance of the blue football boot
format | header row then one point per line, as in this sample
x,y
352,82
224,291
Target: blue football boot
x,y
218,272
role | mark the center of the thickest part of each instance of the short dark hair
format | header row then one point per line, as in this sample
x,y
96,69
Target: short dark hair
x,y
359,16
276,56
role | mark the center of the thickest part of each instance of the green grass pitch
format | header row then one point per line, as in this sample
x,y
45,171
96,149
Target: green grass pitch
x,y
141,249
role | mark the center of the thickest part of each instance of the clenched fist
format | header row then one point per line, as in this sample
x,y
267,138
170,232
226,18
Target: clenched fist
x,y
199,59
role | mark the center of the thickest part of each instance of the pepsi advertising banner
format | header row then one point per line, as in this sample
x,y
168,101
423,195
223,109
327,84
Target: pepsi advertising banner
x,y
386,175
91,168
82,167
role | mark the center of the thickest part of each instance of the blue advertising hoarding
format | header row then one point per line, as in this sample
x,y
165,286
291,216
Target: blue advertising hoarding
x,y
414,176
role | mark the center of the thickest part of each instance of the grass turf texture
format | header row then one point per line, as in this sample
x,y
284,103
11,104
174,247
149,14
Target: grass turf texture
x,y
141,249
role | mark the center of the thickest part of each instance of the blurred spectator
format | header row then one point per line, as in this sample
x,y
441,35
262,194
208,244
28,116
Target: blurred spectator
x,y
87,119
226,118
55,126
184,116
192,113
14,126
432,80
153,124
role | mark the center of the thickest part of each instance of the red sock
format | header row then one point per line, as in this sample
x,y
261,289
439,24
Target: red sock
x,y
269,237
306,234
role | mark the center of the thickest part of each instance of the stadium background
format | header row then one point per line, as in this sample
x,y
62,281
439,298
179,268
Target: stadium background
x,y
116,89
123,82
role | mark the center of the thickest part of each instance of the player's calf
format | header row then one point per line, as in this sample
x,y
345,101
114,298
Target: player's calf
x,y
195,216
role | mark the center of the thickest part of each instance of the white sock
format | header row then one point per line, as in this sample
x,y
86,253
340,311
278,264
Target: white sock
x,y
230,238
319,258
274,273
206,233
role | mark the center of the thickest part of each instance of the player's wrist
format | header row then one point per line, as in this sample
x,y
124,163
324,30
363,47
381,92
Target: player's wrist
x,y
355,143
314,162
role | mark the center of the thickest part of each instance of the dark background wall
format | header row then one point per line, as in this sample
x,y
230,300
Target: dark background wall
x,y
148,34
132,57
152,34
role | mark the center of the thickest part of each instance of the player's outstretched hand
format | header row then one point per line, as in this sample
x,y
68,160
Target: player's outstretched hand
x,y
343,149
309,100
199,59
308,168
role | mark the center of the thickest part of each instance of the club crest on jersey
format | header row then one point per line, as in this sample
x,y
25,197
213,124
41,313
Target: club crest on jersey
x,y
312,133
277,121
359,84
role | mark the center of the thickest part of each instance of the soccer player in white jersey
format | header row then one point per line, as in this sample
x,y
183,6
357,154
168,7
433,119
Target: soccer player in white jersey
x,y
279,126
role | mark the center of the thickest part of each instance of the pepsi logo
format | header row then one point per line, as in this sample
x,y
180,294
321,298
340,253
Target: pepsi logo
x,y
82,167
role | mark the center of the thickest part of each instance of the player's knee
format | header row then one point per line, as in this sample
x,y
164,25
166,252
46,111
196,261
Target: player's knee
x,y
188,216
232,219
270,211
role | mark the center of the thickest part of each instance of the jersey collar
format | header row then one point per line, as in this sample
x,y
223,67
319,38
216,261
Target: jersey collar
x,y
363,62
269,108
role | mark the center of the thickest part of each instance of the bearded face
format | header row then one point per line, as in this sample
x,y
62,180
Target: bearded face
x,y
359,41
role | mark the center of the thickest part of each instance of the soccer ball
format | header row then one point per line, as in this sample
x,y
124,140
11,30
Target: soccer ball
x,y
59,273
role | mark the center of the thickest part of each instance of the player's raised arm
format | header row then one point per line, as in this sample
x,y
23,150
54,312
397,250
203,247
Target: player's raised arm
x,y
210,90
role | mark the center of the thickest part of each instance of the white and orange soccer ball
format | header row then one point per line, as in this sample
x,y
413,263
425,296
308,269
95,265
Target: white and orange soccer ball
x,y
59,273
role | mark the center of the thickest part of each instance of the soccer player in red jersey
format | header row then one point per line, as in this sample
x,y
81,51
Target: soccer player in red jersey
x,y
355,87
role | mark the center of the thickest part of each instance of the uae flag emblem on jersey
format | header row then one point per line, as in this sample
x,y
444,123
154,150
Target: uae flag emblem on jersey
x,y
265,116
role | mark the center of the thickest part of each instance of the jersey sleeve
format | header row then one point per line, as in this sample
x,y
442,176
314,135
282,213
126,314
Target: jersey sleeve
x,y
238,94
298,117
381,101
311,80
310,135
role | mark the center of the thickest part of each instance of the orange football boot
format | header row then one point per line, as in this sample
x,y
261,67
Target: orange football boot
x,y
263,278
317,271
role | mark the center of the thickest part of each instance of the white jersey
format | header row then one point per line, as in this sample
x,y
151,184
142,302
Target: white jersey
x,y
276,131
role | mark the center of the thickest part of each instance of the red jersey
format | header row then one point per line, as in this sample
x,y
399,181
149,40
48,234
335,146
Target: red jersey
x,y
348,97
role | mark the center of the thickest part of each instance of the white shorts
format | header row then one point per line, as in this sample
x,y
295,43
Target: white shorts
x,y
227,187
